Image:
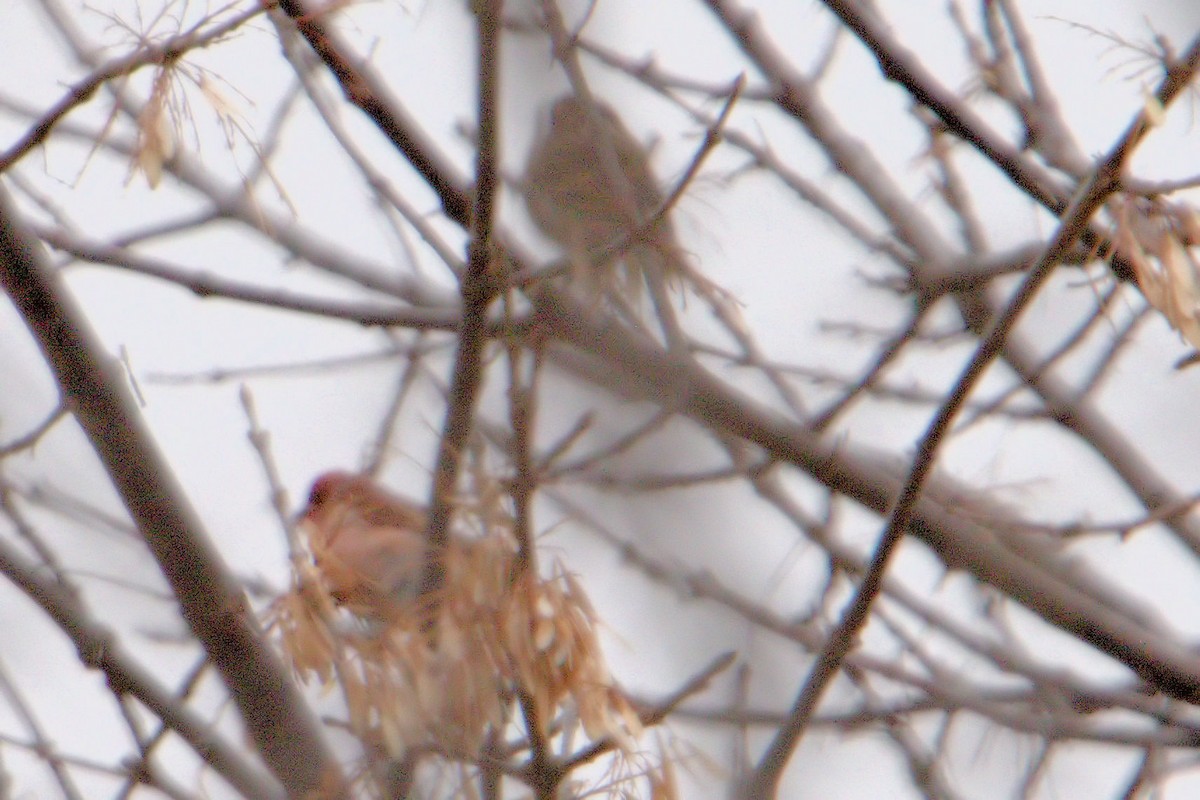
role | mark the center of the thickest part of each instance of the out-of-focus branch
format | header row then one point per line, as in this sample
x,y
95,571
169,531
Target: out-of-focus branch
x,y
1034,577
163,53
658,712
796,95
275,715
899,65
147,743
479,288
1105,181
33,436
208,285
99,649
365,90
42,743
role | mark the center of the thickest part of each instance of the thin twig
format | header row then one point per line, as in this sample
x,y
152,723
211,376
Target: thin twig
x,y
35,434
99,649
1103,183
660,711
43,746
364,89
168,51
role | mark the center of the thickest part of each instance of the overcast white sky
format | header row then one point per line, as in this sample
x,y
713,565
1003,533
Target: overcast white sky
x,y
317,422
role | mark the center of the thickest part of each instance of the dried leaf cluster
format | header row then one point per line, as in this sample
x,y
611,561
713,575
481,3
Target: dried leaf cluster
x,y
1158,237
496,650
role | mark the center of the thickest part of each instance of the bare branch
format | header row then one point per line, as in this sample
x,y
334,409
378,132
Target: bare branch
x,y
212,605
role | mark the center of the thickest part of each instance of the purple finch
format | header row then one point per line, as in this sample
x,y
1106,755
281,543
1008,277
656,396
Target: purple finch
x,y
369,545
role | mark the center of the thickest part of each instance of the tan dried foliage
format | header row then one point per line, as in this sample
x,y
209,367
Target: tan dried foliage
x,y
1158,237
156,130
445,674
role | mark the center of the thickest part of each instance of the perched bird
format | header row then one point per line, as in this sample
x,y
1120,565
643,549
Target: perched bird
x,y
369,545
589,188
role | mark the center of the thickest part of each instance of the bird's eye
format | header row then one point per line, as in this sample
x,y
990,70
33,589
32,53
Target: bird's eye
x,y
320,492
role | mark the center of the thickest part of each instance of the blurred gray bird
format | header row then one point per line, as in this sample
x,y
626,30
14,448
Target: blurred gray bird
x,y
589,188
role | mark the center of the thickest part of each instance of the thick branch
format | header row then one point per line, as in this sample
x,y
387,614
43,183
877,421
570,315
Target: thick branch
x,y
213,606
364,90
1032,575
478,290
1104,182
97,648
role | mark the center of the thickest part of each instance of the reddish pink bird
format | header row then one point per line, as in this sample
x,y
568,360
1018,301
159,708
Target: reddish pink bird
x,y
368,543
